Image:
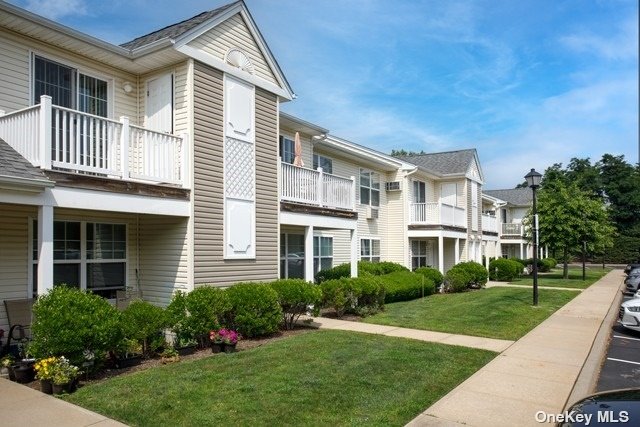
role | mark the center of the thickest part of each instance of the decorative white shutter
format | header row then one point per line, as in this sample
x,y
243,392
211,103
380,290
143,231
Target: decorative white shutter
x,y
239,169
474,206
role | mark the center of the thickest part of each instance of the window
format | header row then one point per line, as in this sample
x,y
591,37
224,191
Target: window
x,y
287,150
291,256
419,192
369,188
69,88
322,253
322,162
503,215
370,250
86,255
419,254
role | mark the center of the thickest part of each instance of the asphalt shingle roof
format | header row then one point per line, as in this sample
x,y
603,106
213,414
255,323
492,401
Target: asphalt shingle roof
x,y
449,162
514,196
13,165
177,29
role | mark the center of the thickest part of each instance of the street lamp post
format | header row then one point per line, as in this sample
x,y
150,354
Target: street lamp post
x,y
533,180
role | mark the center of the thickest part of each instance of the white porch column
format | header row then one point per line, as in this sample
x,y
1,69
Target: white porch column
x,y
546,251
45,249
354,253
521,252
308,253
441,254
457,254
487,256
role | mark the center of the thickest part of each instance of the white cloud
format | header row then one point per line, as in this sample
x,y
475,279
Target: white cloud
x,y
621,45
56,9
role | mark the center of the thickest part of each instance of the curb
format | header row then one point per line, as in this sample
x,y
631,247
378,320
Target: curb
x,y
586,382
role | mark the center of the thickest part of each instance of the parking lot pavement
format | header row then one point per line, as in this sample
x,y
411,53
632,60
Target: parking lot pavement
x,y
621,368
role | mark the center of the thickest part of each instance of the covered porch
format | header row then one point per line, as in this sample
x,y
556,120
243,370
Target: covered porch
x,y
437,249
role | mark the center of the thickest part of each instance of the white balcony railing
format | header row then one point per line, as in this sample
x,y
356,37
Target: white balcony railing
x,y
511,229
315,187
438,213
489,223
50,136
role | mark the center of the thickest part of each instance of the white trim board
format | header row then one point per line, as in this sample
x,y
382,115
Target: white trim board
x,y
321,221
436,233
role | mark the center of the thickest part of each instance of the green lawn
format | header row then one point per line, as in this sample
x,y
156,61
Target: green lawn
x,y
505,313
316,378
554,278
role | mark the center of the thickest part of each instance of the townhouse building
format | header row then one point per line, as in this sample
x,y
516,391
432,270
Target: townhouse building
x,y
165,163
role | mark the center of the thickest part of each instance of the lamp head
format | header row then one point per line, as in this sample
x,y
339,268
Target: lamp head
x,y
533,178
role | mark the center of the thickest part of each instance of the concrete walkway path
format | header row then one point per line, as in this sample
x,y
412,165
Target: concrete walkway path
x,y
23,406
416,334
537,373
508,285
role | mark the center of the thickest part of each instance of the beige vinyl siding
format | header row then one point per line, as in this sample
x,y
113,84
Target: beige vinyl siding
x,y
163,257
14,254
209,265
234,33
449,247
396,231
15,86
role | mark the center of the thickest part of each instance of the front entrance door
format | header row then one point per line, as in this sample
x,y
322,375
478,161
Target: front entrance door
x,y
159,105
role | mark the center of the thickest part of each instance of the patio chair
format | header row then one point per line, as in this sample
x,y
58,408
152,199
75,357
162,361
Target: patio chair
x,y
19,315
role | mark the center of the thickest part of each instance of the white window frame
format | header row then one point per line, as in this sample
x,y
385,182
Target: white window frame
x,y
286,140
421,255
370,188
285,257
319,257
420,186
83,261
317,163
372,257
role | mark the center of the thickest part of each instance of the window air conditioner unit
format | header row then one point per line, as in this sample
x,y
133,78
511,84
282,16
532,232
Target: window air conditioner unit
x,y
392,186
372,213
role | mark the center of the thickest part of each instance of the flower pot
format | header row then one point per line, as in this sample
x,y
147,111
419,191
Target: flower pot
x,y
46,386
24,373
230,348
69,387
186,350
12,373
127,362
217,347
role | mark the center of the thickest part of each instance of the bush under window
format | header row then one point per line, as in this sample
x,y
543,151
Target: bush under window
x,y
255,309
206,307
431,273
405,286
295,296
145,323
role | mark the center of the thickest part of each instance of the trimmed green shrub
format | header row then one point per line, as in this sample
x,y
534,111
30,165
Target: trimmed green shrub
x,y
338,294
522,262
365,268
457,280
405,286
68,321
255,310
206,307
542,266
550,263
337,272
177,319
479,274
504,270
369,293
144,322
431,273
294,296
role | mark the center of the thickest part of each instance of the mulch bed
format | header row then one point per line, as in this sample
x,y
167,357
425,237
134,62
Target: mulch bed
x,y
245,344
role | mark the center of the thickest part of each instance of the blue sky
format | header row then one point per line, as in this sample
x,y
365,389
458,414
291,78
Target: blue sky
x,y
527,82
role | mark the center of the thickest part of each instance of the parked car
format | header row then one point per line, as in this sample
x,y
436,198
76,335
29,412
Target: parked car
x,y
610,408
630,267
629,315
632,282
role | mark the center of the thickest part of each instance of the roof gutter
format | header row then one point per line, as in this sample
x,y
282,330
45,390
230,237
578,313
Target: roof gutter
x,y
30,184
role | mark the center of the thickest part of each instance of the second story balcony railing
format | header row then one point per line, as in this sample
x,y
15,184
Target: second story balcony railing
x,y
438,214
510,229
489,223
317,188
54,137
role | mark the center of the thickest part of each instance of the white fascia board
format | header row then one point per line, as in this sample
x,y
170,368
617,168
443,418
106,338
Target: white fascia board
x,y
182,41
366,153
489,238
436,233
236,72
321,221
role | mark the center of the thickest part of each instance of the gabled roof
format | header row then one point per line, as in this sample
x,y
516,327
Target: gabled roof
x,y
445,163
177,29
15,169
513,196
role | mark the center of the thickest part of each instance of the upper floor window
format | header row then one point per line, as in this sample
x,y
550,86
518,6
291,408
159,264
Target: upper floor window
x,y
287,149
322,162
369,188
69,88
419,192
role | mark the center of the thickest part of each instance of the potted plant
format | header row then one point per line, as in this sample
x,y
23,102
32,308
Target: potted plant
x,y
169,355
6,364
217,345
64,376
23,370
129,354
44,372
184,345
229,339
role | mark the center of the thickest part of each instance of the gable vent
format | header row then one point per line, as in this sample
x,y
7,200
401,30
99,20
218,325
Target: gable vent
x,y
238,59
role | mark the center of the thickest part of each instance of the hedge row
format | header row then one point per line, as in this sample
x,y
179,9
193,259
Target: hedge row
x,y
465,276
365,268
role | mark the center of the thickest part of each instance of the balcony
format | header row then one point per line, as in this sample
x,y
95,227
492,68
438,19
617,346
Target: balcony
x,y
316,188
512,229
58,138
489,223
438,214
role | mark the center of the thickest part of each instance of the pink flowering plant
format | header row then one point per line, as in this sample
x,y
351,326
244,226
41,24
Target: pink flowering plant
x,y
229,336
215,337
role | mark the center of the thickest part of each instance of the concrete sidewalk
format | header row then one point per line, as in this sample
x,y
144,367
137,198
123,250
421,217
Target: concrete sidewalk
x,y
23,406
416,334
507,285
537,373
